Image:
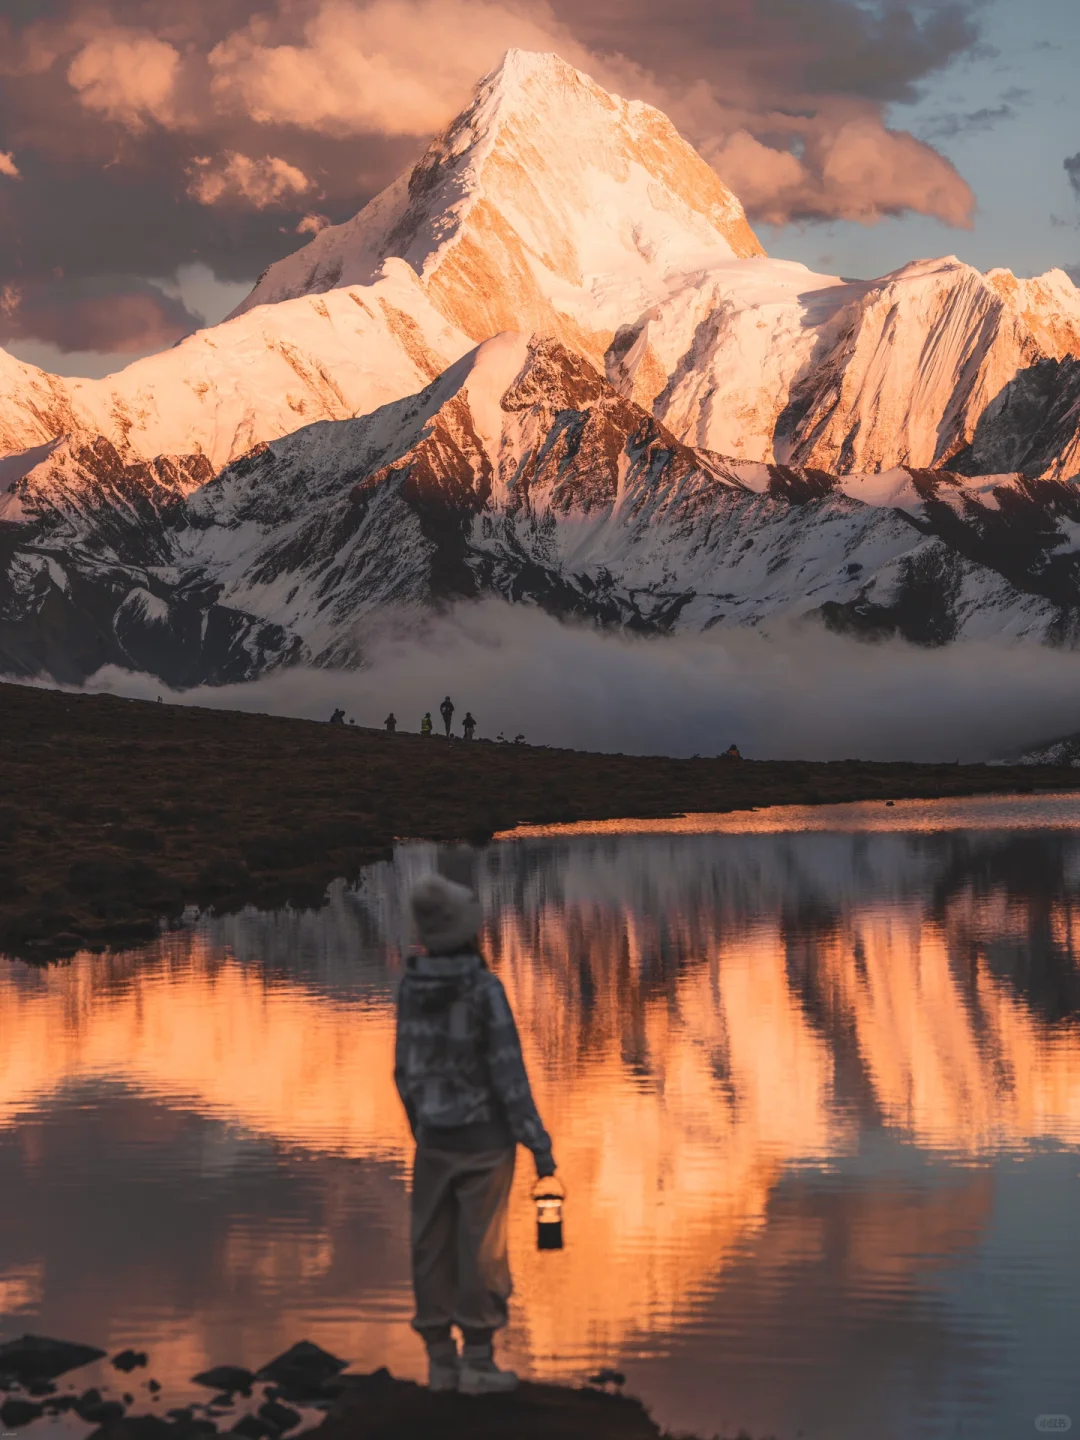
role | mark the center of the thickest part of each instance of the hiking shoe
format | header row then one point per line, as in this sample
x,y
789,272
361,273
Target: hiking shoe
x,y
443,1368
479,1375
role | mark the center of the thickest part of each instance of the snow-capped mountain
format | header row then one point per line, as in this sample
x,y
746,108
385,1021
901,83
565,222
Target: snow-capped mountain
x,y
520,472
551,206
547,205
227,388
552,363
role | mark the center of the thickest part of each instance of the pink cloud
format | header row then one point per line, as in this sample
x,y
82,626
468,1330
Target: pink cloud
x,y
859,170
258,183
8,166
393,67
313,70
128,76
404,67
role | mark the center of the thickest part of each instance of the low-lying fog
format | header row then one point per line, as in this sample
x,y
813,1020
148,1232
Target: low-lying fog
x,y
798,692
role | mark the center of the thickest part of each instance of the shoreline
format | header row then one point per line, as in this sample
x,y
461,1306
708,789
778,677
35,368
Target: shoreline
x,y
281,1399
116,815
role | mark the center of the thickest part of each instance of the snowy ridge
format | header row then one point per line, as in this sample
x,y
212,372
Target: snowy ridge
x,y
520,472
922,367
587,505
234,385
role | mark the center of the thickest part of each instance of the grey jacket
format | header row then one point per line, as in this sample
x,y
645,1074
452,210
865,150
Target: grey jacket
x,y
458,1065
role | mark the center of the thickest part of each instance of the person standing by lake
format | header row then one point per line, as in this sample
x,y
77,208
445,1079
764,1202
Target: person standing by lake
x,y
425,723
459,1071
468,725
391,723
446,710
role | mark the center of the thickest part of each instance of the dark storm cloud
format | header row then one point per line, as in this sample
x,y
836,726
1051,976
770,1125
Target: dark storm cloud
x,y
143,134
1072,169
826,47
107,314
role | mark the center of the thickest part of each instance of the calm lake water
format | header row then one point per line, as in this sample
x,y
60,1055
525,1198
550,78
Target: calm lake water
x,y
813,1079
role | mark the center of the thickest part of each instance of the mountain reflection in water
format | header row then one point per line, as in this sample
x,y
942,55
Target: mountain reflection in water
x,y
815,1096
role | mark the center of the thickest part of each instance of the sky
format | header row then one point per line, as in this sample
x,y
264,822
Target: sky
x,y
157,155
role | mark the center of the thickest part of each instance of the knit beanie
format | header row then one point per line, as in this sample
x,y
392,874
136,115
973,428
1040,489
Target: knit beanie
x,y
446,915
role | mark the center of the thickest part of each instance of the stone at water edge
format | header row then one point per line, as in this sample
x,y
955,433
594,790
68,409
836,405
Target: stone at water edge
x,y
229,1378
379,1407
282,1417
151,1427
93,1407
19,1412
128,1360
36,1357
302,1371
103,1413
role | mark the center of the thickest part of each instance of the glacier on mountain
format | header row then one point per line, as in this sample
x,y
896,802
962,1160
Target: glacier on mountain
x,y
551,363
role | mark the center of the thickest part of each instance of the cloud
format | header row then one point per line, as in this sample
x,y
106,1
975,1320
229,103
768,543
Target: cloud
x,y
120,314
799,692
782,51
947,126
312,224
860,171
393,67
261,183
114,107
8,166
128,76
404,67
1072,169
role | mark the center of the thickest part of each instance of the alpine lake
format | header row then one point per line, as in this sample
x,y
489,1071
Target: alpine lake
x,y
812,1075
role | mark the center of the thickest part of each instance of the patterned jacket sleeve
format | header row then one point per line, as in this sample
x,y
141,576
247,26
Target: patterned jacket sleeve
x,y
508,1074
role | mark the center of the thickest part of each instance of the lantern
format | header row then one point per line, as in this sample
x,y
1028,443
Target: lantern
x,y
549,1195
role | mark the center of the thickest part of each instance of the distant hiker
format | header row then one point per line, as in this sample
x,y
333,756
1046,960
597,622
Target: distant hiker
x,y
391,723
338,717
468,725
461,1077
425,723
446,710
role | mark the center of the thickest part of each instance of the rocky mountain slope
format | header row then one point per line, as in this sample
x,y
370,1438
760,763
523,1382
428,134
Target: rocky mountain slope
x,y
519,472
661,427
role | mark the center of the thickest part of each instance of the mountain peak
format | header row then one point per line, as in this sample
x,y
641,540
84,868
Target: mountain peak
x,y
547,204
518,65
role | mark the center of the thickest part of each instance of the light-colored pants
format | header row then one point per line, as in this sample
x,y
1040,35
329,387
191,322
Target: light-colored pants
x,y
461,1272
